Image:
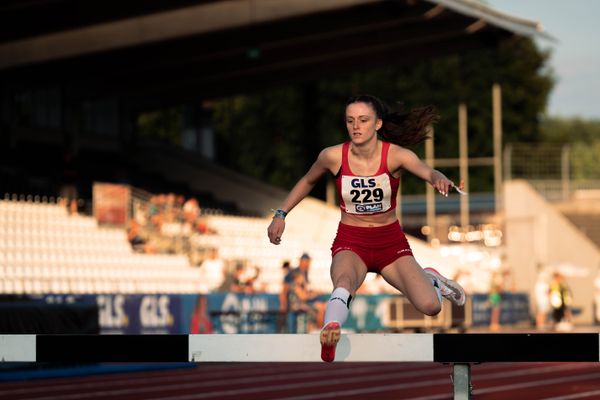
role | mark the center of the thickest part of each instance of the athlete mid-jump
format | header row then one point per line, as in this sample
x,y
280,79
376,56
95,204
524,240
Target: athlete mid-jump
x,y
369,238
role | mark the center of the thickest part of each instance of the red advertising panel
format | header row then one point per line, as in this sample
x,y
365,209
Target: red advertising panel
x,y
111,203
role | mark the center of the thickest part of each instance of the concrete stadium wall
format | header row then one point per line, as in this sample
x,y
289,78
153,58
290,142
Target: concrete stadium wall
x,y
538,236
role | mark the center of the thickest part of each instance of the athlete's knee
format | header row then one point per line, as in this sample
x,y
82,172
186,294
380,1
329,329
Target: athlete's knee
x,y
431,307
346,282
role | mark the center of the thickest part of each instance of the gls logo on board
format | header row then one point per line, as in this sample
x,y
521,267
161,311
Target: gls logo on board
x,y
362,183
111,310
154,312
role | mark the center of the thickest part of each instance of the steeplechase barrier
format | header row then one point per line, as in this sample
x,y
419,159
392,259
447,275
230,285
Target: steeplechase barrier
x,y
459,350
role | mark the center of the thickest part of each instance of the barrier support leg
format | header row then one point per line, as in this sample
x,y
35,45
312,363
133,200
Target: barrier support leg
x,y
461,378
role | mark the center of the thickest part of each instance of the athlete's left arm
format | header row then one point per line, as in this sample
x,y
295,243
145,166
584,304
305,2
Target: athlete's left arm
x,y
408,160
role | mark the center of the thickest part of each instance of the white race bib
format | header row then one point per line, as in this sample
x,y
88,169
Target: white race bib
x,y
366,194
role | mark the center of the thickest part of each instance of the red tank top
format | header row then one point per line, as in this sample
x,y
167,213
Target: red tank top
x,y
365,195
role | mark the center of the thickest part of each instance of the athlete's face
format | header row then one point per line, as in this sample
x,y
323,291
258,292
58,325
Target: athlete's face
x,y
362,122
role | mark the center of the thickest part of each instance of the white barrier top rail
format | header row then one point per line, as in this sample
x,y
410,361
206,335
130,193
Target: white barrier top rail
x,y
445,348
306,348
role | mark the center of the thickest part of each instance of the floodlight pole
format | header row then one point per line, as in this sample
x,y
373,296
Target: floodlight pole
x,y
464,161
497,127
430,192
463,153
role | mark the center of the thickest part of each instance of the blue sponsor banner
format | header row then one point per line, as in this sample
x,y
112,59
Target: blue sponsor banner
x,y
145,314
213,313
243,313
180,314
131,314
246,313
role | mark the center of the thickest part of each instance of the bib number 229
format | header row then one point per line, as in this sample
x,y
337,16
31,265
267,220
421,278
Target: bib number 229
x,y
366,195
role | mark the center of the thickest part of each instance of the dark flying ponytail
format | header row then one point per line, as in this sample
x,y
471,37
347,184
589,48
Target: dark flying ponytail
x,y
399,126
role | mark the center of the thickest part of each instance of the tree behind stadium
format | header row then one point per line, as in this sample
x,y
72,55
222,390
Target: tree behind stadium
x,y
275,135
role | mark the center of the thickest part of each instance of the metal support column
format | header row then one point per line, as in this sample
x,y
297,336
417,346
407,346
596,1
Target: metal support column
x,y
461,379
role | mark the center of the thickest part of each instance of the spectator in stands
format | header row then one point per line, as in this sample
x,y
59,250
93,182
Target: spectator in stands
x,y
193,216
495,301
304,266
179,203
286,267
155,212
200,321
191,211
560,300
283,297
287,289
233,281
140,212
212,271
168,207
172,222
249,283
68,189
542,300
301,315
369,238
291,290
139,242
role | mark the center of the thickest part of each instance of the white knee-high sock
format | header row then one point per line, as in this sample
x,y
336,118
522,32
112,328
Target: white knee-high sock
x,y
338,306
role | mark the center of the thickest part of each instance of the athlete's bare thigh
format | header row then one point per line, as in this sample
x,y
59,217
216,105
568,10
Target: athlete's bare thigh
x,y
406,275
348,270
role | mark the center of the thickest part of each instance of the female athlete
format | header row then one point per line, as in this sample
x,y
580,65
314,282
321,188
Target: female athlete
x,y
367,168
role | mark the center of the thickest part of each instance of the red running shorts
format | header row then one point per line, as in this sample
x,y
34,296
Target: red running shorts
x,y
378,247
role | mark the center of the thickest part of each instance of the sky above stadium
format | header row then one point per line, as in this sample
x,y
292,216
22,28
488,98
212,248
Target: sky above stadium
x,y
575,55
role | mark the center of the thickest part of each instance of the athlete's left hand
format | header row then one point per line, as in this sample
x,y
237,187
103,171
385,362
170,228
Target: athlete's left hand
x,y
441,183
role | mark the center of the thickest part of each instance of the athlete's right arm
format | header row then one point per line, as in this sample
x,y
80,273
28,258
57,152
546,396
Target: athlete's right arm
x,y
325,162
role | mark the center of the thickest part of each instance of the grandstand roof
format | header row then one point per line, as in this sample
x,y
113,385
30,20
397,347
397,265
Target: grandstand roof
x,y
221,47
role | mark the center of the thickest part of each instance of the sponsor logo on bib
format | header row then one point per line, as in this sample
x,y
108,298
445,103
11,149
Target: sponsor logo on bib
x,y
369,208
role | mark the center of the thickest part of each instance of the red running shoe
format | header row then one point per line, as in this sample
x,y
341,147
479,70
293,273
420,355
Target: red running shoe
x,y
330,336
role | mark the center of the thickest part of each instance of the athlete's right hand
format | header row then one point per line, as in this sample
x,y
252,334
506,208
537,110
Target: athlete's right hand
x,y
275,230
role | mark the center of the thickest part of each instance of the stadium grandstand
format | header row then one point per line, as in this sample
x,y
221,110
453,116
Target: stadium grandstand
x,y
46,250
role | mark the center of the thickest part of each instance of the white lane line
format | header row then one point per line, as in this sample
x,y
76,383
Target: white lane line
x,y
431,370
542,382
364,391
295,372
581,395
